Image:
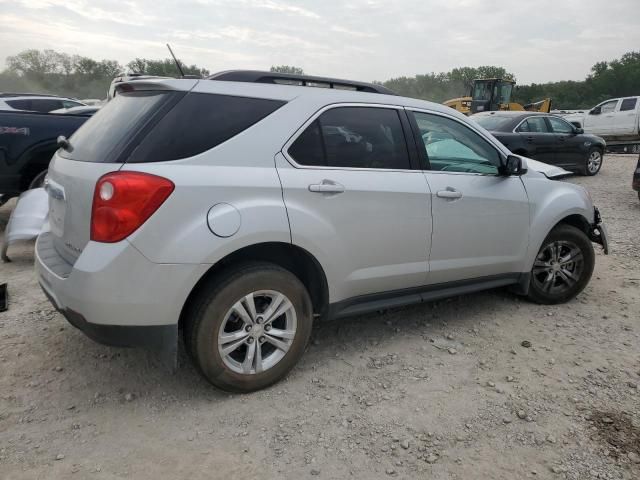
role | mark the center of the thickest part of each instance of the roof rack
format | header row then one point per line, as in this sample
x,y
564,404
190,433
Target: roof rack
x,y
256,76
8,94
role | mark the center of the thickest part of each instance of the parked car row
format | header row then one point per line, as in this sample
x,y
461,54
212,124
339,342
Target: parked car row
x,y
240,208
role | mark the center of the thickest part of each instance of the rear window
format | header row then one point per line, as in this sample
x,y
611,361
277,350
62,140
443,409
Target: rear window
x,y
199,122
106,135
492,122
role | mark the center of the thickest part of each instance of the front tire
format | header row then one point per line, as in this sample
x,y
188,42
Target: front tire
x,y
563,266
249,327
593,163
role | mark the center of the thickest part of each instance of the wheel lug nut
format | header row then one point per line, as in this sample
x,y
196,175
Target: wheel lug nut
x,y
250,340
262,339
247,328
259,320
267,328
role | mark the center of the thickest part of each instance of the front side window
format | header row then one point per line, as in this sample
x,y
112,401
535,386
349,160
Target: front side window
x,y
353,137
628,104
533,125
453,147
608,107
560,126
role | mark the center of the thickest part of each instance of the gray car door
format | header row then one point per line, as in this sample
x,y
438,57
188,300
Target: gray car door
x,y
480,218
354,201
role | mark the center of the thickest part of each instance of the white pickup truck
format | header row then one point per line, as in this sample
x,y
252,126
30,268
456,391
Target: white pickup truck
x,y
616,120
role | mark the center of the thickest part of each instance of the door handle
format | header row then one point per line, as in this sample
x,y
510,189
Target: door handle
x,y
529,139
449,193
326,186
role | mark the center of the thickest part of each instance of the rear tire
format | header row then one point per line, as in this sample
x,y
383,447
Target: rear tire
x,y
563,266
593,163
232,336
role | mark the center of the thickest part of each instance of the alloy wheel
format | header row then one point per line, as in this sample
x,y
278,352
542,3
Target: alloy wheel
x,y
594,162
558,267
257,332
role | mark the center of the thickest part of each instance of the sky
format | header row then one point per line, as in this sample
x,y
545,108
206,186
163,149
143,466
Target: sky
x,y
537,40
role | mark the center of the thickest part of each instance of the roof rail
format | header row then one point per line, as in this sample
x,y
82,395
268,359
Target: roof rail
x,y
256,76
8,94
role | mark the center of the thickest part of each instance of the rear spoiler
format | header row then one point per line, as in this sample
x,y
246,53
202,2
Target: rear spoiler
x,y
124,84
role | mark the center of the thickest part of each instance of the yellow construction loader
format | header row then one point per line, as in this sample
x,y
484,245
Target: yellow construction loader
x,y
492,94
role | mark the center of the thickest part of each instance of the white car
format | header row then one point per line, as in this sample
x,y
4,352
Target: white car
x,y
36,103
244,207
618,118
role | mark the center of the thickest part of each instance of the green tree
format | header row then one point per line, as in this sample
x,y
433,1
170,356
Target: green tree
x,y
164,68
287,69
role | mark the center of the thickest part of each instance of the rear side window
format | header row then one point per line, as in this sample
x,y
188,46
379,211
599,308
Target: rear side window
x,y
353,137
199,122
105,136
628,104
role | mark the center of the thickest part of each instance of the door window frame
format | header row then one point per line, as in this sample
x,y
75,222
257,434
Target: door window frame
x,y
615,108
422,154
404,123
550,125
635,104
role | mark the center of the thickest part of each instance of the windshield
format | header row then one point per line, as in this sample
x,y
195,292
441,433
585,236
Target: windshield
x,y
492,122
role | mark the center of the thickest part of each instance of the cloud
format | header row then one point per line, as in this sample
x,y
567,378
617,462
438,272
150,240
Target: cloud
x,y
359,39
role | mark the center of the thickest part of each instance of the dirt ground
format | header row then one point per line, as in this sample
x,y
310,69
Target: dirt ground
x,y
443,390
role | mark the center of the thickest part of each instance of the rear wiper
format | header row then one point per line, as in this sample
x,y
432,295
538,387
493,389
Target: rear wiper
x,y
64,144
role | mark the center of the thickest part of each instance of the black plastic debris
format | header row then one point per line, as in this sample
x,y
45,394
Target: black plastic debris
x,y
4,304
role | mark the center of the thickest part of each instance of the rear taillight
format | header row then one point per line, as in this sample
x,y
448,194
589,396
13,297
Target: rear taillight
x,y
122,201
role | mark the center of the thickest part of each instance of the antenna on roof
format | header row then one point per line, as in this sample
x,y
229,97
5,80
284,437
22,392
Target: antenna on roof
x,y
176,60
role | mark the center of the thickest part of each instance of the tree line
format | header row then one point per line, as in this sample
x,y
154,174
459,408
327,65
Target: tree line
x,y
48,71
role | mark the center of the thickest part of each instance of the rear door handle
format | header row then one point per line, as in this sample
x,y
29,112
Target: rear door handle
x,y
449,193
326,186
529,139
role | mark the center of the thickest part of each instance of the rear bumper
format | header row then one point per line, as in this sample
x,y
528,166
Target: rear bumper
x,y
114,294
157,337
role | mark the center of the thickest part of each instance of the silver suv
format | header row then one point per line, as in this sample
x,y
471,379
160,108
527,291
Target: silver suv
x,y
241,208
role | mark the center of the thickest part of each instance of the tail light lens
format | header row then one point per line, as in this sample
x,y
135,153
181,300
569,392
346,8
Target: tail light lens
x,y
122,201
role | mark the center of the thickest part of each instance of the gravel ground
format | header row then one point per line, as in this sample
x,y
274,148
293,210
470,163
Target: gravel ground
x,y
444,390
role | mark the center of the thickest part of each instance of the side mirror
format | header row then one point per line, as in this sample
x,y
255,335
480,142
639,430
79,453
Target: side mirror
x,y
513,166
578,130
595,111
